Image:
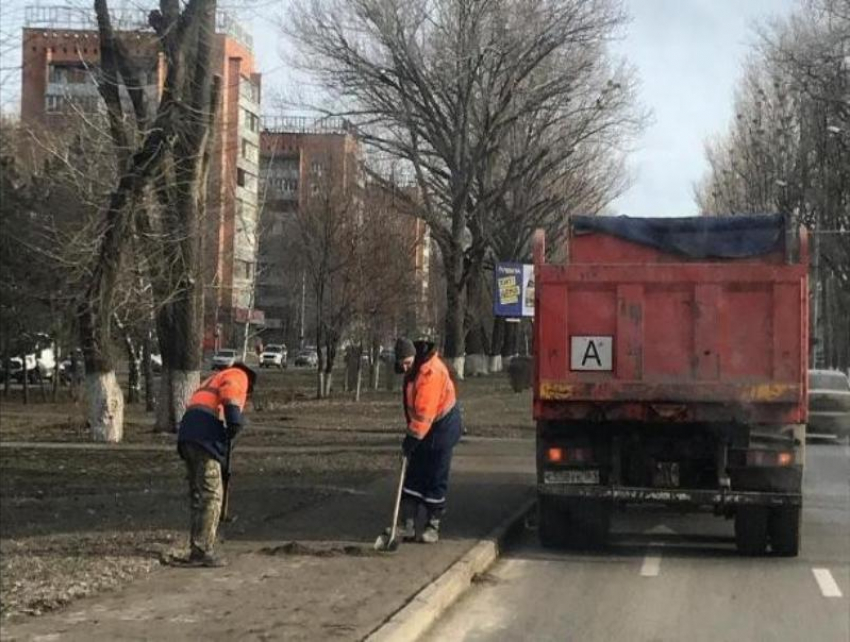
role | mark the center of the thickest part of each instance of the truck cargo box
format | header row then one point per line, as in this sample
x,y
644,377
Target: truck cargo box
x,y
679,320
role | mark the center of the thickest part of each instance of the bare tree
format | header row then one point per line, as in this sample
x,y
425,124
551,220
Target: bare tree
x,y
438,85
166,147
328,220
391,276
789,149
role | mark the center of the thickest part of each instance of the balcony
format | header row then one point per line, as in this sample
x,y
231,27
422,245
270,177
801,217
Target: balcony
x,y
306,125
124,19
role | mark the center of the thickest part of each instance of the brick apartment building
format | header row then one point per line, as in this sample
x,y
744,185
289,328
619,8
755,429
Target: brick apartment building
x,y
60,60
300,158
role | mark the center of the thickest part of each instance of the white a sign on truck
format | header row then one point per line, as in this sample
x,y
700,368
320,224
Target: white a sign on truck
x,y
591,353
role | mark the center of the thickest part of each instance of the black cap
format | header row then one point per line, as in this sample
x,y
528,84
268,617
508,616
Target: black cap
x,y
404,348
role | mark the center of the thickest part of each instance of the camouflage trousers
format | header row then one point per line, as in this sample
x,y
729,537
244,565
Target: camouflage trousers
x,y
205,496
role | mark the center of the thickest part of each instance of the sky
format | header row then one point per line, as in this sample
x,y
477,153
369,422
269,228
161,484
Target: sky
x,y
688,55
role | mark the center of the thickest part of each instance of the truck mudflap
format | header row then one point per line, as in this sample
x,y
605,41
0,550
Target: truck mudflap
x,y
672,496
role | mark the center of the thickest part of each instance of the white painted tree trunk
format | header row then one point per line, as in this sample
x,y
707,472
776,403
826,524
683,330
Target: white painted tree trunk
x,y
359,380
376,374
183,385
476,365
175,390
105,407
495,363
458,363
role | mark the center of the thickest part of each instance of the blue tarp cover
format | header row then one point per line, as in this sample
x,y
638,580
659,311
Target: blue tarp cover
x,y
701,237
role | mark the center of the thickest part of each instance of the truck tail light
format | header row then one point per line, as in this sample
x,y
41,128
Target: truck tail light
x,y
560,455
769,458
785,459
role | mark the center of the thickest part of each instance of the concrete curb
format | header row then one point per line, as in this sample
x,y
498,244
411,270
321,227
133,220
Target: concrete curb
x,y
426,607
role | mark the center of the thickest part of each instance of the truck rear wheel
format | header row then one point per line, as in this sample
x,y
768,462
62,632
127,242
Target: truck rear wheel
x,y
751,530
552,524
590,524
784,529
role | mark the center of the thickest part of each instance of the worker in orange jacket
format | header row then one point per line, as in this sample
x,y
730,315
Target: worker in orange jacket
x,y
211,422
433,429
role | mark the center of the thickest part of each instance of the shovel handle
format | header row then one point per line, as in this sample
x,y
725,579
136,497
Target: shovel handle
x,y
394,523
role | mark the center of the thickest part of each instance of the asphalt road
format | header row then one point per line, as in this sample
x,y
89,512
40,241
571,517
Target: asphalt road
x,y
675,577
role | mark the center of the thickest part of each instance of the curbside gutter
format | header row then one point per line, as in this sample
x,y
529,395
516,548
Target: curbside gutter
x,y
425,608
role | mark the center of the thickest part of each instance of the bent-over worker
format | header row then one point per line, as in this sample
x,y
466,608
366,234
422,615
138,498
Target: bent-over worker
x,y
433,430
211,422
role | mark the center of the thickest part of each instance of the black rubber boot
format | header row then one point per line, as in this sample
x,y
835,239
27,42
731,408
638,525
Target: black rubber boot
x,y
431,534
407,518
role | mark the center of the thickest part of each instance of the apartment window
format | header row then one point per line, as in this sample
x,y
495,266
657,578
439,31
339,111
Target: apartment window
x,y
244,269
53,103
250,151
249,90
315,188
250,121
246,180
69,74
317,169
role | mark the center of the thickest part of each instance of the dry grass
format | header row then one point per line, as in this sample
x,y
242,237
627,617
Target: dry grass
x,y
75,522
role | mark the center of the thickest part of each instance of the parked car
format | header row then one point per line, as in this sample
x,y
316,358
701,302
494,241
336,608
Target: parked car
x,y
39,365
307,357
15,370
223,358
829,403
273,356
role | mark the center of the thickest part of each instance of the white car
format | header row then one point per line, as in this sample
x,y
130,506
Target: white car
x,y
39,365
223,358
273,356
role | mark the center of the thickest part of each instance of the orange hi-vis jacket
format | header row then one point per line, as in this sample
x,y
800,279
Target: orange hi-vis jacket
x,y
226,387
428,397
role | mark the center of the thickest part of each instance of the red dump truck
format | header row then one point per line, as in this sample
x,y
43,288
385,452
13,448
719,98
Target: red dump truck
x,y
670,368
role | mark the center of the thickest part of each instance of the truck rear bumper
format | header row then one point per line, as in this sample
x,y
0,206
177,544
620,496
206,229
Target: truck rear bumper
x,y
671,496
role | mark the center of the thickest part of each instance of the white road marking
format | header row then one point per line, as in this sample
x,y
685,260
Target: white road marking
x,y
651,566
826,582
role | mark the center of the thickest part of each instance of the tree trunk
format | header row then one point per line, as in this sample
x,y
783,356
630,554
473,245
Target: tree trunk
x,y
330,358
164,419
496,342
359,374
454,348
7,364
54,389
147,370
454,344
105,404
26,379
376,364
175,390
134,383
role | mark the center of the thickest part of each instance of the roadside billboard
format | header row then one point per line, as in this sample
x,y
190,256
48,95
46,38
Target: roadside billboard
x,y
514,290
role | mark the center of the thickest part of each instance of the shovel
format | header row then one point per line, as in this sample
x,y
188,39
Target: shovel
x,y
387,540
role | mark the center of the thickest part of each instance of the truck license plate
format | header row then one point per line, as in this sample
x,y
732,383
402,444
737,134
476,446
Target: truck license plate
x,y
571,476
